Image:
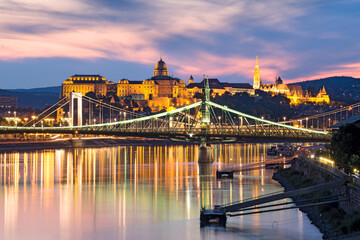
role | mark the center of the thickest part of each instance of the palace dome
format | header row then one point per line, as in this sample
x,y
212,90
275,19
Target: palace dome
x,y
161,68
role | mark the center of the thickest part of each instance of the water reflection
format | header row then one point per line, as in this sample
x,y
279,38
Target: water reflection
x,y
131,192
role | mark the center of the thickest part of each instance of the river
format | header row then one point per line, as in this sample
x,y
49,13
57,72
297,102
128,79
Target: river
x,y
137,192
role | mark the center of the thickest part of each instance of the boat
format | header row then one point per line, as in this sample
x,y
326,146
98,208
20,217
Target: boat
x,y
281,150
272,151
285,151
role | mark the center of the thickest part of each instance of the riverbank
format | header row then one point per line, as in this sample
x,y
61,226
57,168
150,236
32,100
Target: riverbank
x,y
288,178
333,220
32,145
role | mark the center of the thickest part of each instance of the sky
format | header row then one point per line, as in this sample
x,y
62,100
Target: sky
x,y
42,43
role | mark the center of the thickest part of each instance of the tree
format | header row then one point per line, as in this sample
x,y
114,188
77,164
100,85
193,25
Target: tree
x,y
147,109
345,147
198,95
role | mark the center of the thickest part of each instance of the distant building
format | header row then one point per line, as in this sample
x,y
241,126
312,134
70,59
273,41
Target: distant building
x,y
8,102
219,88
161,91
257,80
87,83
292,91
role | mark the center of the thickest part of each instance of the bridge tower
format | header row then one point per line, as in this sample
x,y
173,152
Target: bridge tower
x,y
75,109
205,154
205,119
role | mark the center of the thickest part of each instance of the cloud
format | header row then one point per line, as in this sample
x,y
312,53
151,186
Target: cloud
x,y
352,70
214,66
194,36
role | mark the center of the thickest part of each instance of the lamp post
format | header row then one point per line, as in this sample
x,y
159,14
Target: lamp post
x,y
307,122
15,118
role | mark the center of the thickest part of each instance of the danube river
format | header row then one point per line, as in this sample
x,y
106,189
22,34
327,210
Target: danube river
x,y
137,192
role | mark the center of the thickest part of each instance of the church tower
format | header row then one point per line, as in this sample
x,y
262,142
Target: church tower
x,y
257,81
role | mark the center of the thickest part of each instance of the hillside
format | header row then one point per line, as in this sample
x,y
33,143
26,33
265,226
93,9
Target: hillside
x,y
56,90
346,89
39,98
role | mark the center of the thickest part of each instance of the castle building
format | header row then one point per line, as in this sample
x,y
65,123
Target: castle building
x,y
161,91
219,88
86,83
292,91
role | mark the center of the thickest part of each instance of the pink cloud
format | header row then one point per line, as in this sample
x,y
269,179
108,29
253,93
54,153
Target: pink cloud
x,y
77,29
352,70
213,65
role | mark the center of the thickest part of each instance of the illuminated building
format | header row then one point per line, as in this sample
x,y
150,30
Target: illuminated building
x,y
257,80
292,91
86,83
148,88
219,88
161,91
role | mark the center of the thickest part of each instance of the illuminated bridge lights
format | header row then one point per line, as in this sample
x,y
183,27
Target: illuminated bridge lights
x,y
183,123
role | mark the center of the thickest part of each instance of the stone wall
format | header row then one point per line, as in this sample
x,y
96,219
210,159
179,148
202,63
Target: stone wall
x,y
322,173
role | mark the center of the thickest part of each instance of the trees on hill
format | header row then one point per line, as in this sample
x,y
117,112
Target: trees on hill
x,y
345,147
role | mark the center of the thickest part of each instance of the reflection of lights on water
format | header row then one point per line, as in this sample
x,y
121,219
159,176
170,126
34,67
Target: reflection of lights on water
x,y
131,172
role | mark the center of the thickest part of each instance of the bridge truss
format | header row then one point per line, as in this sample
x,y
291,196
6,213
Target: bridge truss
x,y
204,121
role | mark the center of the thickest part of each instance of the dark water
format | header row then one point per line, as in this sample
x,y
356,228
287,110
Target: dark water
x,y
137,193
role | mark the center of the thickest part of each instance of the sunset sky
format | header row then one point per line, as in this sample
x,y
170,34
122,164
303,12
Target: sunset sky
x,y
44,42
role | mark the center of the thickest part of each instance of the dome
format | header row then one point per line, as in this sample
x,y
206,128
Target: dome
x,y
160,68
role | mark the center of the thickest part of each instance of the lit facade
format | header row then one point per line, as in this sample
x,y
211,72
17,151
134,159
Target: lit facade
x,y
86,83
161,91
257,80
292,91
219,88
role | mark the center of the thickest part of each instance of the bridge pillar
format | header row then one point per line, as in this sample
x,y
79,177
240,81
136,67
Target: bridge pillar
x,y
205,153
75,109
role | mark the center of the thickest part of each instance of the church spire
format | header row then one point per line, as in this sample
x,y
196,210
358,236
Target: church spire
x,y
257,81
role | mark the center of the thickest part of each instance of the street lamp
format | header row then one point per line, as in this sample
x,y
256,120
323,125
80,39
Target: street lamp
x,y
307,122
15,118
